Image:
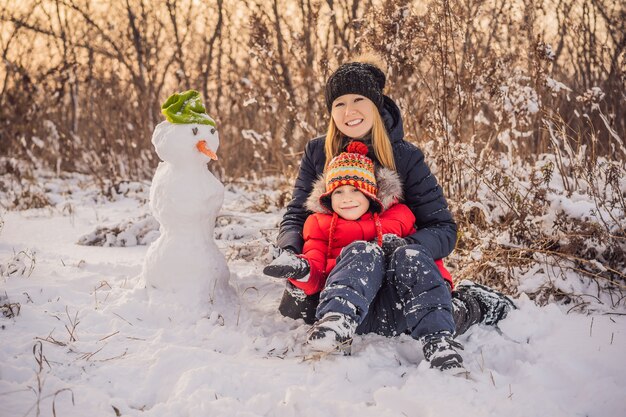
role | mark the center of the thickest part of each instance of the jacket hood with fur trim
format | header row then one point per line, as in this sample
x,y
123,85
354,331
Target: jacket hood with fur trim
x,y
389,191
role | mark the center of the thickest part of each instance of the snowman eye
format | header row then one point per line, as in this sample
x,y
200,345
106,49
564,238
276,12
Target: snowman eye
x,y
195,131
212,130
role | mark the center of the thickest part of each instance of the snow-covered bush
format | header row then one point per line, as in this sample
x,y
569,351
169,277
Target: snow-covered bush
x,y
19,186
539,226
140,231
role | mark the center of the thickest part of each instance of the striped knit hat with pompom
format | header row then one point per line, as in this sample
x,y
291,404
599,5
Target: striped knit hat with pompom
x,y
354,168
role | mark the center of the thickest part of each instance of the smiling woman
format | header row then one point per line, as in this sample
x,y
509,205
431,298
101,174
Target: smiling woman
x,y
358,89
353,115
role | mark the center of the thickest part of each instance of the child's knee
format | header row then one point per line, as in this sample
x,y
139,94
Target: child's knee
x,y
413,266
362,247
411,255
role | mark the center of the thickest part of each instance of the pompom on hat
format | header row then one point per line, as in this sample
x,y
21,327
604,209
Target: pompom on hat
x,y
354,168
356,78
186,108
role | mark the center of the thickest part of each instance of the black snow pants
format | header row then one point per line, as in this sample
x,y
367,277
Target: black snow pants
x,y
405,295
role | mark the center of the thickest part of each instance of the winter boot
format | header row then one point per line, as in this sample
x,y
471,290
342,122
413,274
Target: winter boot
x,y
494,306
466,312
440,349
332,333
296,304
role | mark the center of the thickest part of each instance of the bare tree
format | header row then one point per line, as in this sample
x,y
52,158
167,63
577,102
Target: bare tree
x,y
92,74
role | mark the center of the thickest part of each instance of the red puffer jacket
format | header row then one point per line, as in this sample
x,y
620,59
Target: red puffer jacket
x,y
322,254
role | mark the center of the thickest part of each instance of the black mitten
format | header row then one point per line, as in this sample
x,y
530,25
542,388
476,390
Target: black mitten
x,y
288,265
392,242
275,251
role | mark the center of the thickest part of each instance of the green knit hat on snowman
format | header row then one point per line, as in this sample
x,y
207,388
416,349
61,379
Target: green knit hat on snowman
x,y
186,108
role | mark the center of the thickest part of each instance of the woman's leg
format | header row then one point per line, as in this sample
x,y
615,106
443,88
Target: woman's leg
x,y
475,303
296,304
472,304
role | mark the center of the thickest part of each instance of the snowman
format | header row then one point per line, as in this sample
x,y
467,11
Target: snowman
x,y
184,265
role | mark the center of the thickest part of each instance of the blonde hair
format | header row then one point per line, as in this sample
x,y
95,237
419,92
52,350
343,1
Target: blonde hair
x,y
380,142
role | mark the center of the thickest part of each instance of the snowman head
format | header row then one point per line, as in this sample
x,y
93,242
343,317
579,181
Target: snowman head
x,y
189,134
185,144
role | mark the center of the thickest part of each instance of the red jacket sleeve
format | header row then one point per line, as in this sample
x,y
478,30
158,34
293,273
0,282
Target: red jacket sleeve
x,y
399,220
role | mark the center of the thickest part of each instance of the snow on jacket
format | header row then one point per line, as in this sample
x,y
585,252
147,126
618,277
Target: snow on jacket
x,y
322,251
435,227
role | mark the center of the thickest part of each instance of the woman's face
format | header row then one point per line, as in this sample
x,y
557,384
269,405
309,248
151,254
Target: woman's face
x,y
349,203
353,115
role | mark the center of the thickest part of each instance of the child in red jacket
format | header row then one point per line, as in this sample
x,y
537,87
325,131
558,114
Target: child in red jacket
x,y
369,278
328,230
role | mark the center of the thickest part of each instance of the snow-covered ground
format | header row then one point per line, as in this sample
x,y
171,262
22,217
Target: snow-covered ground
x,y
88,342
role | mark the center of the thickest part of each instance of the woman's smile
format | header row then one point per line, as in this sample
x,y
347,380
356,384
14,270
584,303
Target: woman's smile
x,y
353,115
354,122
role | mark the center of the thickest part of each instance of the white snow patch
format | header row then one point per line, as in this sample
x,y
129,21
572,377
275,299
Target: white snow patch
x,y
107,345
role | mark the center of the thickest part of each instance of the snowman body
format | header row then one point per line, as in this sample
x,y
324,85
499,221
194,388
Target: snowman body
x,y
184,263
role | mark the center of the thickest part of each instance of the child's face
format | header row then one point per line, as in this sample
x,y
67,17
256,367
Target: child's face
x,y
353,115
349,203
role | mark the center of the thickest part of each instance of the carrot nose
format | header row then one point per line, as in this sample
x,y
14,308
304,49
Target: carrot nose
x,y
202,147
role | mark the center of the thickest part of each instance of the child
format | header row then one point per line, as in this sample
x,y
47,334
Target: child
x,y
351,245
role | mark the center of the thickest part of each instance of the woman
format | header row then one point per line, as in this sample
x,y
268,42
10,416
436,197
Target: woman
x,y
359,110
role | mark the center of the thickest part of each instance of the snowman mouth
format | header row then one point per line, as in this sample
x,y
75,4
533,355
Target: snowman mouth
x,y
202,147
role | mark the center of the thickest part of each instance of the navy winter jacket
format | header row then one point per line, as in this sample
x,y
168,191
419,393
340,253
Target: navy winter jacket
x,y
436,229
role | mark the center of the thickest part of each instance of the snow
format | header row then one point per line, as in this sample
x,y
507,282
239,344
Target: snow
x,y
287,259
142,231
556,86
105,349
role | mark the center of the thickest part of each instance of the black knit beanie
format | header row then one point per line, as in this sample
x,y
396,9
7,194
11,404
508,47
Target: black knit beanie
x,y
356,78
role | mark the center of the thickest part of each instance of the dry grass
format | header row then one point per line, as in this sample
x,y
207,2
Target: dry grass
x,y
40,377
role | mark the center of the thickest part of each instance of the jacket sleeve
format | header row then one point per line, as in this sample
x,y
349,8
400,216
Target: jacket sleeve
x,y
314,251
398,219
436,229
290,231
